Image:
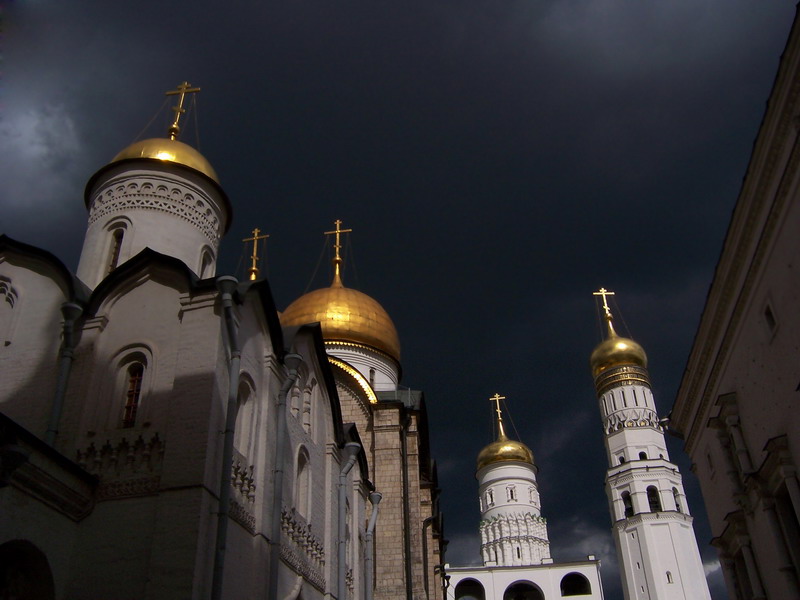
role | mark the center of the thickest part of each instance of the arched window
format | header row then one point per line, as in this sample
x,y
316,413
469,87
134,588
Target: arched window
x,y
653,499
303,485
677,498
669,577
627,504
621,459
133,393
575,584
511,491
116,248
470,589
523,590
642,455
244,433
206,264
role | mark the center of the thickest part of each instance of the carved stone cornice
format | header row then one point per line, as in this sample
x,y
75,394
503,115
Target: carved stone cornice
x,y
38,483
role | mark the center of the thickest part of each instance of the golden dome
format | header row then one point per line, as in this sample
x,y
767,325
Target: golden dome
x,y
504,449
346,315
615,351
168,150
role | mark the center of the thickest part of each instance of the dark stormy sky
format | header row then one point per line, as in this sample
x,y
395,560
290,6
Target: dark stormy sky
x,y
497,160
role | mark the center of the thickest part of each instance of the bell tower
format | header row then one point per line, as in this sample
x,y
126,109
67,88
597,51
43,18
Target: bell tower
x,y
656,546
513,531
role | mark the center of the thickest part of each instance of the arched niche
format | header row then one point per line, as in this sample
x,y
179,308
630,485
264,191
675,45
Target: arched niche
x,y
523,590
470,589
575,584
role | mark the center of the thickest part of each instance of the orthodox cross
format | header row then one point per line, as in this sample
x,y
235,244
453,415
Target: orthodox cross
x,y
181,91
253,270
604,292
337,246
496,399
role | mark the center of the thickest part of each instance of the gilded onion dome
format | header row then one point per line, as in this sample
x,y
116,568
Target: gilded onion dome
x,y
346,315
169,151
615,350
503,448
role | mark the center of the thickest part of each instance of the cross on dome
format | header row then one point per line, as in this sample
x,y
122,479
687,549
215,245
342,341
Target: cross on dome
x,y
337,246
501,434
253,270
609,317
181,91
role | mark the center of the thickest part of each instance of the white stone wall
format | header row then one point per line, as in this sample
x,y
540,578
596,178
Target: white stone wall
x,y
30,338
547,578
173,212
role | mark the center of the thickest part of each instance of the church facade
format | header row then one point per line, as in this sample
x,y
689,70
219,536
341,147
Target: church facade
x,y
165,434
737,404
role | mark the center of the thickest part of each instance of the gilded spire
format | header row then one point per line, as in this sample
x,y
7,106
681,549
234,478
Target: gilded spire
x,y
337,258
608,316
501,433
253,270
181,91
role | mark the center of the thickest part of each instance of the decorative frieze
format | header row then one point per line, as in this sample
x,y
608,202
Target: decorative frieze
x,y
135,194
123,458
301,548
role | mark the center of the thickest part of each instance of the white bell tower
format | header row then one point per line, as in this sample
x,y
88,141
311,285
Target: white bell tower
x,y
652,527
513,531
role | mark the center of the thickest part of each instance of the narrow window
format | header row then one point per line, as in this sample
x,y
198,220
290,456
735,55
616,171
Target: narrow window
x,y
303,485
627,504
512,492
519,553
116,247
669,577
677,499
372,378
769,317
642,455
490,498
621,460
653,499
133,394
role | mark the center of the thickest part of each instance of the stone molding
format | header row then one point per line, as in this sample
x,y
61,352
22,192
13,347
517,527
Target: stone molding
x,y
38,483
664,515
126,488
160,194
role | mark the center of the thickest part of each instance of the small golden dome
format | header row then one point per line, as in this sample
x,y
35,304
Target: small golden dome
x,y
504,449
346,315
168,150
616,351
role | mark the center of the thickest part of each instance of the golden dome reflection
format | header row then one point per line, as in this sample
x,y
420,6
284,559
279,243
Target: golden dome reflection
x,y
616,351
346,315
504,449
171,151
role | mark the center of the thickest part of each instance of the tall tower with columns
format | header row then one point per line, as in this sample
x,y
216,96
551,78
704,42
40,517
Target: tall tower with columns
x,y
653,532
512,529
